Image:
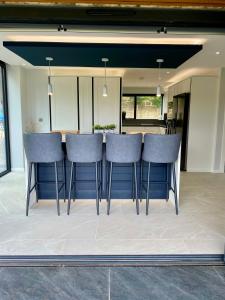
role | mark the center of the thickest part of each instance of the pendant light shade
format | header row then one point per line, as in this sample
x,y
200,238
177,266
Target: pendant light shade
x,y
50,88
105,91
158,89
105,87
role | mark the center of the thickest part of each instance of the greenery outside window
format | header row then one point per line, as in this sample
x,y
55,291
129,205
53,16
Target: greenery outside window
x,y
142,106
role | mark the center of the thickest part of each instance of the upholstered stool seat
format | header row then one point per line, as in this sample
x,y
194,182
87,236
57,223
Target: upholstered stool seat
x,y
123,148
161,149
43,148
85,148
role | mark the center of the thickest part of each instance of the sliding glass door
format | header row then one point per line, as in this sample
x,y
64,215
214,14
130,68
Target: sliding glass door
x,y
4,128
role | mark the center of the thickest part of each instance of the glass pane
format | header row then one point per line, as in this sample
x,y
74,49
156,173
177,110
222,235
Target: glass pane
x,y
3,164
128,107
148,107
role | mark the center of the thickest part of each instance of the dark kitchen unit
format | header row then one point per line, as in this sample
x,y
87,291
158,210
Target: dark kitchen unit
x,y
181,109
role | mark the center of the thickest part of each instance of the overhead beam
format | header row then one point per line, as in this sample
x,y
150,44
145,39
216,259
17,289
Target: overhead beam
x,y
150,3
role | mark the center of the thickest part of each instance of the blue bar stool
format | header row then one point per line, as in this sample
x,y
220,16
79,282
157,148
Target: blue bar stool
x,y
85,148
44,148
123,148
161,149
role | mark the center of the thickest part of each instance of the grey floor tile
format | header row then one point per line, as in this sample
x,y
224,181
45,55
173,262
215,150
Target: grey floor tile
x,y
51,283
167,283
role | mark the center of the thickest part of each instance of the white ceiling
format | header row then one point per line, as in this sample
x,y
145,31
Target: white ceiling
x,y
206,62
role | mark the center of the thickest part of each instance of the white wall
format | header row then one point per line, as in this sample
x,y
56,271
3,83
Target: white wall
x,y
139,90
202,124
202,120
219,155
37,102
179,88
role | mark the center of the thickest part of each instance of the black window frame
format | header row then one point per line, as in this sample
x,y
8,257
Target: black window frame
x,y
6,118
135,101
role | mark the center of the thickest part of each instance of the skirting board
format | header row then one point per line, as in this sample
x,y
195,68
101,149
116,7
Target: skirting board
x,y
16,170
199,170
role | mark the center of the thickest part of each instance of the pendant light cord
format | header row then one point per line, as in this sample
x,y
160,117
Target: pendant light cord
x,y
49,71
159,73
105,72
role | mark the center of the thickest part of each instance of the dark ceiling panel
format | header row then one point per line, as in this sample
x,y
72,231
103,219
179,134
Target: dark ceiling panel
x,y
89,55
112,16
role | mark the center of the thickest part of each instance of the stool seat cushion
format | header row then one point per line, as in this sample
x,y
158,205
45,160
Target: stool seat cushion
x,y
43,147
84,148
161,148
123,148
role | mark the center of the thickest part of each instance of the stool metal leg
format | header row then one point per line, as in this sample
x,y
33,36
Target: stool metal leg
x,y
133,183
70,188
136,191
28,187
167,181
97,186
109,188
100,180
64,178
175,188
57,188
147,195
141,179
36,181
74,181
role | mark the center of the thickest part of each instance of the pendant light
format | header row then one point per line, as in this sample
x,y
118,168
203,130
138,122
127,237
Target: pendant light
x,y
158,90
50,89
105,87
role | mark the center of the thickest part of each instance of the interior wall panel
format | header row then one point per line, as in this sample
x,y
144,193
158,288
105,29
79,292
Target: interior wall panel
x,y
85,104
64,103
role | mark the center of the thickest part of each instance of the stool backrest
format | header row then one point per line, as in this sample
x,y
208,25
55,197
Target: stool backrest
x,y
123,148
161,148
84,148
43,147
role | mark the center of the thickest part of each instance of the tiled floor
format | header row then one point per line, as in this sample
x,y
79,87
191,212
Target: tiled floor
x,y
130,283
199,228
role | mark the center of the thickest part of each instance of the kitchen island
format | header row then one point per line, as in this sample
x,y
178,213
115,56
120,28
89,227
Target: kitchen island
x,y
122,187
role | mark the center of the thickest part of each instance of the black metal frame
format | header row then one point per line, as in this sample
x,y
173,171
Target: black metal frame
x,y
98,184
78,104
111,260
6,119
135,101
36,183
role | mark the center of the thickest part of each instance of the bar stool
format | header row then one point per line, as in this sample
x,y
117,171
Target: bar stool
x,y
161,149
84,148
44,148
123,148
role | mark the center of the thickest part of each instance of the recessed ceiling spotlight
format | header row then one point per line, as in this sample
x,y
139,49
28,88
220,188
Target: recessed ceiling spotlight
x,y
163,29
217,52
168,72
61,28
